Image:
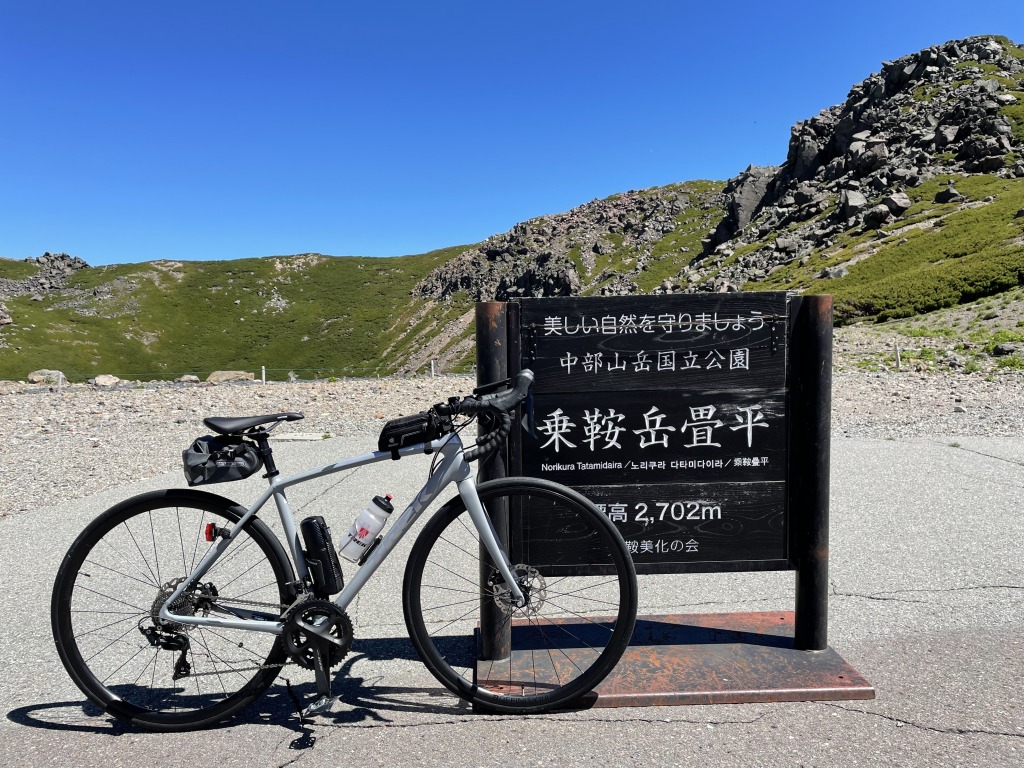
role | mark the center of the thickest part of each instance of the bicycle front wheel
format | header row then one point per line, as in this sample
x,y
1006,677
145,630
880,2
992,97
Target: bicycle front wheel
x,y
112,583
581,598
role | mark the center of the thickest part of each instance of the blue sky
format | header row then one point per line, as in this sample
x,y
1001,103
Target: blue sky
x,y
132,131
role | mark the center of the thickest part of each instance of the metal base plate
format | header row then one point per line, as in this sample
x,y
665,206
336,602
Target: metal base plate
x,y
720,658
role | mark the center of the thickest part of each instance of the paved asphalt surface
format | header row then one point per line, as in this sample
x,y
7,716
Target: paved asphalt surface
x,y
927,603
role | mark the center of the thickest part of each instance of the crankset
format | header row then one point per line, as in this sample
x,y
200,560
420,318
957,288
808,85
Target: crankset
x,y
317,635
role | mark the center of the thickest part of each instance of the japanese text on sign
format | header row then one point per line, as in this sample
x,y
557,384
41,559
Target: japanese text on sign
x,y
682,322
604,431
655,362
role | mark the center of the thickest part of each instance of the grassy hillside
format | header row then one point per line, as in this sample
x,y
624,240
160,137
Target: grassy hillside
x,y
938,255
316,315
341,316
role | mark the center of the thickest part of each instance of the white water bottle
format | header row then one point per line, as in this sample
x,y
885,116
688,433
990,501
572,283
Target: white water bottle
x,y
366,527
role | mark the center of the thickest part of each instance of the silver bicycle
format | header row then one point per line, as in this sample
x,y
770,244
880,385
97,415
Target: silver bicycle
x,y
175,609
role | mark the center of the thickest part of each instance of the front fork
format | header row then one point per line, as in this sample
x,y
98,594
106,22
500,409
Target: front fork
x,y
489,538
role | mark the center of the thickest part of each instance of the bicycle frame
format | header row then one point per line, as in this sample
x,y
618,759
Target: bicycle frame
x,y
452,468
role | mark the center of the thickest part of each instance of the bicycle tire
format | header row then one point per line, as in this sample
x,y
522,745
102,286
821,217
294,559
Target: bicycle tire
x,y
109,589
577,621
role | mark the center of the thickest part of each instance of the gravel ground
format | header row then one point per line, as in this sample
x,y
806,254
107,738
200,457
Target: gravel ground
x,y
60,444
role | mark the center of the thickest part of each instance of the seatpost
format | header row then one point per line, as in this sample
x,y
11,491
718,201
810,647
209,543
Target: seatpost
x,y
262,437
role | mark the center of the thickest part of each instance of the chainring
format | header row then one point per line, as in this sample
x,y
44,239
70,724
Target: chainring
x,y
310,619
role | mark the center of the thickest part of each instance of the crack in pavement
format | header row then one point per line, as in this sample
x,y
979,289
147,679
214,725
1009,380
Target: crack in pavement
x,y
900,722
876,596
883,596
749,601
544,718
1015,462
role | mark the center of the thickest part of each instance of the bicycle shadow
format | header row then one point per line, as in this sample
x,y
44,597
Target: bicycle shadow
x,y
360,701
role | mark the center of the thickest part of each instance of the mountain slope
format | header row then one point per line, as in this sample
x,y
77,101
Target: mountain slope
x,y
861,208
316,315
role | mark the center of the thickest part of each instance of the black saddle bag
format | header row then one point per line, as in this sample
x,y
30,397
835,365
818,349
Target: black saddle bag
x,y
220,459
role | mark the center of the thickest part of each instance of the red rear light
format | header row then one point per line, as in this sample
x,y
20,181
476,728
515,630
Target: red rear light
x,y
211,531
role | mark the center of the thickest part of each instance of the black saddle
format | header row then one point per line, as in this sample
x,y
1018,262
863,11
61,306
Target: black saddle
x,y
231,425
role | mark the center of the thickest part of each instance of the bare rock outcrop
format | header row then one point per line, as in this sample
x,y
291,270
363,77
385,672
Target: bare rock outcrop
x,y
936,112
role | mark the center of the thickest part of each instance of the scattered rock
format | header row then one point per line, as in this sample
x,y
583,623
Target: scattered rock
x,y
949,195
788,244
106,380
834,273
851,202
1006,348
222,377
876,216
898,203
47,376
188,378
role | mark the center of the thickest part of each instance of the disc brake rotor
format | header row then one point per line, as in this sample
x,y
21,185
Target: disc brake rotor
x,y
531,584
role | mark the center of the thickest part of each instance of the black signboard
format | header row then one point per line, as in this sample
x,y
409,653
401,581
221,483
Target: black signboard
x,y
669,412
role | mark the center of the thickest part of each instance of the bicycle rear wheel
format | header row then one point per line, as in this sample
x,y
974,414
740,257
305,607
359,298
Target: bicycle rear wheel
x,y
119,572
575,571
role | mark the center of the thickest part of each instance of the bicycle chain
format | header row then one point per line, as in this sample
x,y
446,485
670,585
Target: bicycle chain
x,y
303,597
239,601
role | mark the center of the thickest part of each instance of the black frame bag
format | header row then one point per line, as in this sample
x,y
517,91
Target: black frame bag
x,y
410,430
220,459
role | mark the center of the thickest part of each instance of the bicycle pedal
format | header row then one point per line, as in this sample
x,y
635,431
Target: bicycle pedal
x,y
322,704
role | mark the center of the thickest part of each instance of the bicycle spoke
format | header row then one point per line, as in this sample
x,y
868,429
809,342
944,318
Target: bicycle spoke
x,y
117,579
564,635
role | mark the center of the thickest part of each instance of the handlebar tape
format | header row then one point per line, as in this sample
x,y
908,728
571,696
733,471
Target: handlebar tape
x,y
498,405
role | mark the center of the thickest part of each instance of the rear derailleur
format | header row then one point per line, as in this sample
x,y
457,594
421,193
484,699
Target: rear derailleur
x,y
170,641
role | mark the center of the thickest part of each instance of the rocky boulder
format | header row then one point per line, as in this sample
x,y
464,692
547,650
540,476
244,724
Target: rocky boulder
x,y
47,376
222,377
898,203
747,193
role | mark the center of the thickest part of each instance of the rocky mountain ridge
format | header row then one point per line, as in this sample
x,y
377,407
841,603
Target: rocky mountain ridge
x,y
943,110
562,254
932,113
52,273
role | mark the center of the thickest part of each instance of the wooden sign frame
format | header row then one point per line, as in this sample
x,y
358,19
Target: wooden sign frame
x,y
799,328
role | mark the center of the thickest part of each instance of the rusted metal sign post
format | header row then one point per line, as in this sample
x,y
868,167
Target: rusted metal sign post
x,y
698,423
